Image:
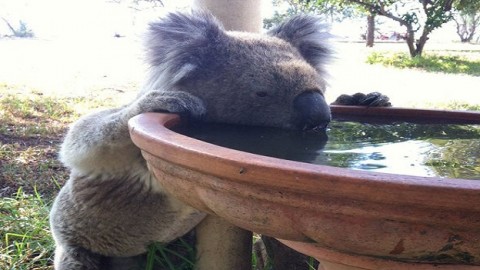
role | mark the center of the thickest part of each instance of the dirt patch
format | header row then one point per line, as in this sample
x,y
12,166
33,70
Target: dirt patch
x,y
30,163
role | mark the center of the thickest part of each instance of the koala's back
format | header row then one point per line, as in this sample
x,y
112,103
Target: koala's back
x,y
116,208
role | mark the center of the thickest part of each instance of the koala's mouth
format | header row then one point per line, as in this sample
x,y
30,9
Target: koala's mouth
x,y
313,126
311,111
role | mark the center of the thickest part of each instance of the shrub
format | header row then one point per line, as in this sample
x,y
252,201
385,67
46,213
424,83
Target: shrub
x,y
430,62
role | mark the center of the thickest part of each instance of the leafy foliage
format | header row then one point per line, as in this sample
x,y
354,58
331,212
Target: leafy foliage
x,y
432,63
327,8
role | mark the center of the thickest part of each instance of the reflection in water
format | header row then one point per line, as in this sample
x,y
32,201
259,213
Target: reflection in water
x,y
406,157
403,148
273,142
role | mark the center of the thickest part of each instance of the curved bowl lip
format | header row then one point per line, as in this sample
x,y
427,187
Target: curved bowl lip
x,y
415,115
152,134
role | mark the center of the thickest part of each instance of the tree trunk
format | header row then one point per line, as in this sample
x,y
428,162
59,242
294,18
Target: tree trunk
x,y
473,28
370,29
242,15
421,43
411,43
467,26
463,31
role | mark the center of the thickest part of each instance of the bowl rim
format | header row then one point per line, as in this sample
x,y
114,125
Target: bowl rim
x,y
152,134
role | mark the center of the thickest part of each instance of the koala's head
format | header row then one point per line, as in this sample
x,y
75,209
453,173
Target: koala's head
x,y
276,79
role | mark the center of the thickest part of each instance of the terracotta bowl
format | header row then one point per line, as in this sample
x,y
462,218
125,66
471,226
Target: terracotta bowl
x,y
362,214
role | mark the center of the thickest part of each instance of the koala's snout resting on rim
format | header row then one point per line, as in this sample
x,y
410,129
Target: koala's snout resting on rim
x,y
112,206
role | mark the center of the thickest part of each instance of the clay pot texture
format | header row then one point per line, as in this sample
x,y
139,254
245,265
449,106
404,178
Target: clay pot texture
x,y
388,216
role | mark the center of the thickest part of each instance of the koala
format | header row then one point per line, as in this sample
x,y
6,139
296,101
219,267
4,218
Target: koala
x,y
112,206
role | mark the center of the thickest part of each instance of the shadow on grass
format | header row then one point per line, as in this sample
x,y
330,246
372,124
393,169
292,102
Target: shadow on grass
x,y
432,63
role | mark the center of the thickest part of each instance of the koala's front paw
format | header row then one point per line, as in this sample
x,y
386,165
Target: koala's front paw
x,y
179,102
374,99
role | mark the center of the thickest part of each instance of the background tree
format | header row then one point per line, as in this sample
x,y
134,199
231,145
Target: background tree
x,y
22,31
467,19
326,8
140,5
417,16
423,18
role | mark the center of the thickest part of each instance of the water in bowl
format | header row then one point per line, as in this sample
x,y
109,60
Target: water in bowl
x,y
440,150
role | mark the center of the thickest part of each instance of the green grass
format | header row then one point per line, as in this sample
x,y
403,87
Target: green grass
x,y
430,62
25,237
179,255
31,127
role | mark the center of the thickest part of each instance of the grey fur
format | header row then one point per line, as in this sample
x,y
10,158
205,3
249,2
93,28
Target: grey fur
x,y
309,36
112,206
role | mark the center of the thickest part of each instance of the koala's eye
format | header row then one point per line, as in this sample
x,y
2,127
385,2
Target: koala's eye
x,y
261,94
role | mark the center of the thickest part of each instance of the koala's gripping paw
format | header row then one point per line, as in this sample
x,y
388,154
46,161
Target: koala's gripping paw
x,y
374,99
179,102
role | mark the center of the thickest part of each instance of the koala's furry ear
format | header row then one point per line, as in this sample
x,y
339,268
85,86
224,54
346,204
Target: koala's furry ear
x,y
181,43
309,36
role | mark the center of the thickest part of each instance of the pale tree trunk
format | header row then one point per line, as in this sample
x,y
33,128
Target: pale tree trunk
x,y
221,245
235,15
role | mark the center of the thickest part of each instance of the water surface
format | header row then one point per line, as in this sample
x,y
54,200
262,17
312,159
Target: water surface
x,y
403,148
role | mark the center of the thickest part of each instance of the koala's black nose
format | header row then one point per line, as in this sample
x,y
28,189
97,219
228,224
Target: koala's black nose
x,y
312,111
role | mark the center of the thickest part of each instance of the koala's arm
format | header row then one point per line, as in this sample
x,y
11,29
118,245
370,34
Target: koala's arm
x,y
100,142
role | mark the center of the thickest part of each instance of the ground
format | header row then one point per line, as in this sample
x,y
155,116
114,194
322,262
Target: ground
x,y
115,65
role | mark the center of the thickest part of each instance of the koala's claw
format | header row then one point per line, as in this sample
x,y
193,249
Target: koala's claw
x,y
174,102
373,99
191,108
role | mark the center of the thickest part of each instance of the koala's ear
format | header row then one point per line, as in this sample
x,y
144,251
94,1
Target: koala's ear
x,y
180,43
309,36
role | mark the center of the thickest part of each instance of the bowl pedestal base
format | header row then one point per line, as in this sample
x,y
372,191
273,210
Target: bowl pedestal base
x,y
221,245
334,260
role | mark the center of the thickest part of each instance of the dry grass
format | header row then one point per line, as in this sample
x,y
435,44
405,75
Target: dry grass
x,y
31,127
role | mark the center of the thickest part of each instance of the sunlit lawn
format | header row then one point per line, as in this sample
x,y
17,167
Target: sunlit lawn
x,y
429,62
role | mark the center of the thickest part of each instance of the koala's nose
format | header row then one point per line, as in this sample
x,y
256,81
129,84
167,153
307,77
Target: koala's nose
x,y
312,111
